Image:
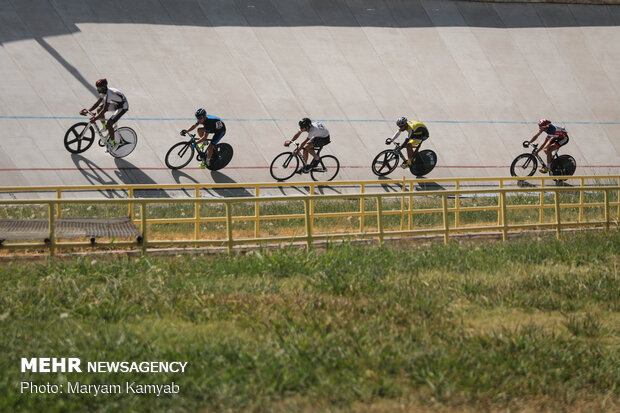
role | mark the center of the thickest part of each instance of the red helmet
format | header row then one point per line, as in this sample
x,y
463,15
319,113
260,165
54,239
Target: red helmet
x,y
543,123
101,83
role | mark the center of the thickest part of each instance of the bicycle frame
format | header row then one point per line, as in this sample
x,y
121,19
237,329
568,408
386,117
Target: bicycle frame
x,y
398,149
300,156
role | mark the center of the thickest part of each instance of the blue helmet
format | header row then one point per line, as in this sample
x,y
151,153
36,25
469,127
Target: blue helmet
x,y
200,113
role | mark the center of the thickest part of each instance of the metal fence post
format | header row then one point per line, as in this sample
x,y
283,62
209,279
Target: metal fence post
x,y
229,230
51,207
143,226
444,202
197,214
457,204
256,213
607,214
500,215
362,208
557,214
503,212
380,218
308,223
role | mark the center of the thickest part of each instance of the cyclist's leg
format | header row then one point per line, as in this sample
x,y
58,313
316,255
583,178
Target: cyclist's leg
x,y
216,138
113,119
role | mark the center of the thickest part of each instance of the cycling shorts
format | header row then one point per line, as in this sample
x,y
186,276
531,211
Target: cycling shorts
x,y
558,141
117,115
418,136
320,141
217,136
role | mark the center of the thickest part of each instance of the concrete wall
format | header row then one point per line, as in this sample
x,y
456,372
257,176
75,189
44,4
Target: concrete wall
x,y
478,74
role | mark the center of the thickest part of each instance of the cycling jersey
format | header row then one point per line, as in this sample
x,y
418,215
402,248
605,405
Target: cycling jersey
x,y
317,130
115,98
558,136
416,132
214,125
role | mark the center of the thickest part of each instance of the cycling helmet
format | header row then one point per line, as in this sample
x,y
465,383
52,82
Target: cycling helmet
x,y
101,83
543,123
200,113
305,123
400,122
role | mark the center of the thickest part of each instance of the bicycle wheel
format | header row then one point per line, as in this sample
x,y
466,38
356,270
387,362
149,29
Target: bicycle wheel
x,y
125,141
79,137
524,165
327,169
423,162
179,155
385,162
563,165
284,166
222,155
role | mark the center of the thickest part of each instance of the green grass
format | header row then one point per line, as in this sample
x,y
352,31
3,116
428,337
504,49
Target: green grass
x,y
526,325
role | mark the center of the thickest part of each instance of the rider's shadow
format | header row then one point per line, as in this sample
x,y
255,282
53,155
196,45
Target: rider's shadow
x,y
428,186
130,174
178,176
221,178
96,176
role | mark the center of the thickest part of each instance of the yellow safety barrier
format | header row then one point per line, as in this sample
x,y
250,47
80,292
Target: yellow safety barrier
x,y
374,213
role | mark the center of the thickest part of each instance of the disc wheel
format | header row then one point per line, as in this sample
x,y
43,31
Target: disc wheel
x,y
179,155
327,169
284,166
79,137
222,154
125,141
423,163
564,165
385,162
524,165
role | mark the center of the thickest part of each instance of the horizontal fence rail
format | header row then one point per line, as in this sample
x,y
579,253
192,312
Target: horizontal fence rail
x,y
246,221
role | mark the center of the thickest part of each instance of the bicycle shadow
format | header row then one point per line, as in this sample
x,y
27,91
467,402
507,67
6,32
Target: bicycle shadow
x,y
95,175
428,186
130,174
222,178
177,175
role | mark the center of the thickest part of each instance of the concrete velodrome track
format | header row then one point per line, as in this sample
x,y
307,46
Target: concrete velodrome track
x,y
478,74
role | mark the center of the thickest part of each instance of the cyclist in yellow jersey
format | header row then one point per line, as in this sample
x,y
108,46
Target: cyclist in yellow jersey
x,y
417,133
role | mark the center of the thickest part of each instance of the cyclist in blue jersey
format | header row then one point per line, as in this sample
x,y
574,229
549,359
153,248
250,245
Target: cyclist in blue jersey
x,y
207,124
556,137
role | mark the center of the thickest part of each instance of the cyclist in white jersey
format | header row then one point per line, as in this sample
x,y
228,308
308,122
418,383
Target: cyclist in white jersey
x,y
318,136
110,99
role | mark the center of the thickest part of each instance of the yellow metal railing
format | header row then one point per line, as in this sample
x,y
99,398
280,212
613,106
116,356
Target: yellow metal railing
x,y
373,221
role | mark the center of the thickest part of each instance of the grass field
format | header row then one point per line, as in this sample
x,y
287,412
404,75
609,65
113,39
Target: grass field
x,y
532,325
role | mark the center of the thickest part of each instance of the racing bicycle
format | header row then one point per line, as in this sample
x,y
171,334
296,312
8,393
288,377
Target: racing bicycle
x,y
181,153
287,164
388,160
81,136
527,163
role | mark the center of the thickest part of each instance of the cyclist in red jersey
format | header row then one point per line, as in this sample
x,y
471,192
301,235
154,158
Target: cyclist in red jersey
x,y
556,137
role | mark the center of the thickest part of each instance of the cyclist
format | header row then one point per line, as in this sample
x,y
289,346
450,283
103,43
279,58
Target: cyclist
x,y
207,124
416,134
110,99
556,137
318,136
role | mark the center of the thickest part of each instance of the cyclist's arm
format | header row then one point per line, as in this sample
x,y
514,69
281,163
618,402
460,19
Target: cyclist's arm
x,y
101,113
301,146
295,136
97,103
535,136
396,135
